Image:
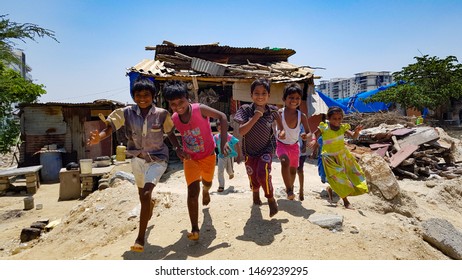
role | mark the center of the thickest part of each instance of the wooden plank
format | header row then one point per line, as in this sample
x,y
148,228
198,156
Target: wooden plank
x,y
402,131
402,154
422,135
381,151
20,171
98,171
379,145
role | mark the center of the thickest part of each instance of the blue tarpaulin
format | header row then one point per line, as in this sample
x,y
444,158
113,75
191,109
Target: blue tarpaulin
x,y
331,102
356,102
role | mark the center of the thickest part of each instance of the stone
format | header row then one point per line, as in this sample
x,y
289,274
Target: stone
x,y
28,234
329,221
123,176
443,235
379,174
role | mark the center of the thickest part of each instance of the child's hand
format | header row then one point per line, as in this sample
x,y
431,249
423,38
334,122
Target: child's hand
x,y
239,160
313,144
182,155
226,149
282,134
94,138
260,110
305,136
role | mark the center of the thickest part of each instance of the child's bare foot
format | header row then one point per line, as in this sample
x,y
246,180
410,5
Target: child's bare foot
x,y
301,196
205,196
194,235
347,204
231,176
330,195
273,206
290,193
256,198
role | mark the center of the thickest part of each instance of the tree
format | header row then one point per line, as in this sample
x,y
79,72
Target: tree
x,y
430,83
13,87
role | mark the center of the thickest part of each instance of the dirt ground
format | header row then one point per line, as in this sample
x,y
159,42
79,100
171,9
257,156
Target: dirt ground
x,y
103,226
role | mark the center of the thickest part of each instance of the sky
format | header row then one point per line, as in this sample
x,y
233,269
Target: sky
x,y
100,40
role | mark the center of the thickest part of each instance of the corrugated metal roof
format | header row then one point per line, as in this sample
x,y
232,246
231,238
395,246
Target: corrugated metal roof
x,y
213,62
282,72
227,54
151,67
98,102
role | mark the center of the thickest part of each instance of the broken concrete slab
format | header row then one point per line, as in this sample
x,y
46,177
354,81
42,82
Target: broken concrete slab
x,y
402,131
422,135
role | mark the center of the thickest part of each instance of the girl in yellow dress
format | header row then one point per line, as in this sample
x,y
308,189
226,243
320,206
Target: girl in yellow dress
x,y
343,173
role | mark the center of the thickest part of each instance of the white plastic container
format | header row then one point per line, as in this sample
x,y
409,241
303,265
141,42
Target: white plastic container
x,y
86,166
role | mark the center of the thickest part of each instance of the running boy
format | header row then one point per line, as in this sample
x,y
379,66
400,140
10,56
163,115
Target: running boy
x,y
256,125
226,162
145,125
198,151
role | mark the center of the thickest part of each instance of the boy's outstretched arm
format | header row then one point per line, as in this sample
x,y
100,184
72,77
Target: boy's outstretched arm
x,y
115,119
176,145
207,111
97,136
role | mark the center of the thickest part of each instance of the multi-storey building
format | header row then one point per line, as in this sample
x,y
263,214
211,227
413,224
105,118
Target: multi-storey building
x,y
21,66
339,88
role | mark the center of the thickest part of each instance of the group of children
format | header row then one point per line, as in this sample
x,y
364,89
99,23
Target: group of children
x,y
264,128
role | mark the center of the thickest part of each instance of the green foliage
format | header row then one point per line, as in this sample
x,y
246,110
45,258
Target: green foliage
x,y
18,31
9,135
430,83
13,87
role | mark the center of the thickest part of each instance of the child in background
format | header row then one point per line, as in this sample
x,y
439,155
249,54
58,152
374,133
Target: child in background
x,y
226,162
321,172
150,154
317,155
198,151
301,163
343,173
256,125
287,146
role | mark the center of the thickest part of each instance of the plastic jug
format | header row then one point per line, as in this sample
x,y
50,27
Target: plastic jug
x,y
120,152
419,120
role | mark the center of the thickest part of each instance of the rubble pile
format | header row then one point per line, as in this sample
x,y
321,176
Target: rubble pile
x,y
417,152
368,120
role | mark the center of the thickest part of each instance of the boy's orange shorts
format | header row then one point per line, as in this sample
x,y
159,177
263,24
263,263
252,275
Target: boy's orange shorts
x,y
200,169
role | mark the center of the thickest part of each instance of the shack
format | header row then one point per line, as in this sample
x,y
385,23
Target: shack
x,y
63,128
220,76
